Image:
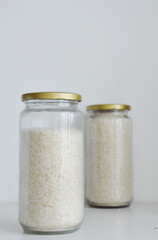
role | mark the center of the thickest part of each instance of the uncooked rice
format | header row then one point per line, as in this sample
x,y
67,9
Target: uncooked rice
x,y
109,151
52,192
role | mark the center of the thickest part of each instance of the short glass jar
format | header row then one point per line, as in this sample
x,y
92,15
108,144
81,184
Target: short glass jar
x,y
51,163
109,155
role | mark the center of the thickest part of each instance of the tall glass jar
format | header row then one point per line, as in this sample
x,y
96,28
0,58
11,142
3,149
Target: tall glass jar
x,y
51,163
109,155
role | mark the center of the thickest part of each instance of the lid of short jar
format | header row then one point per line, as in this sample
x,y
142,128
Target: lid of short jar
x,y
51,95
108,107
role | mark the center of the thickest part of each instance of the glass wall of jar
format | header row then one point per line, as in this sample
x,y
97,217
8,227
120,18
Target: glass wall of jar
x,y
51,163
109,155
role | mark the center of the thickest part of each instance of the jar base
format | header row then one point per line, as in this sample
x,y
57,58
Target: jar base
x,y
109,205
34,230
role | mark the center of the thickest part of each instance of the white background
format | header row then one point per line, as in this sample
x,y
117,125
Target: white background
x,y
105,50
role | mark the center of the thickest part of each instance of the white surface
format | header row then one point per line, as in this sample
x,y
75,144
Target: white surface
x,y
138,222
105,50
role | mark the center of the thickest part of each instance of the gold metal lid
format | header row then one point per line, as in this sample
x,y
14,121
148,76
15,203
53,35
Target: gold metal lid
x,y
51,95
108,107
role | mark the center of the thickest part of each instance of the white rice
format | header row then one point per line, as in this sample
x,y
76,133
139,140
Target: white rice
x,y
109,159
52,185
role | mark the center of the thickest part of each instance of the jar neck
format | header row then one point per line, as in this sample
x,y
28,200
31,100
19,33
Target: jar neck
x,y
38,104
111,112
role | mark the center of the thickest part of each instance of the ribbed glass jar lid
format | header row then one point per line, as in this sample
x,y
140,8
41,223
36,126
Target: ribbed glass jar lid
x,y
51,95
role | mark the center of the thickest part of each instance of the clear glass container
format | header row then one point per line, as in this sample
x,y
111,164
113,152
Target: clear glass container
x,y
51,163
109,155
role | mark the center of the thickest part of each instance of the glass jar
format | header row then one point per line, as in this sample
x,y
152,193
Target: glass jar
x,y
109,155
51,163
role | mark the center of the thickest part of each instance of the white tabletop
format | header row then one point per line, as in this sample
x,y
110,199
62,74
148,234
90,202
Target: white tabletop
x,y
139,221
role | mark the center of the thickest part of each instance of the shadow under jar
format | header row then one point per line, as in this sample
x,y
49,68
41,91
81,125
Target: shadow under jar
x,y
51,163
109,155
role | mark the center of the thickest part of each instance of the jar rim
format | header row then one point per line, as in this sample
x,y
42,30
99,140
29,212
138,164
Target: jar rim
x,y
52,95
108,107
